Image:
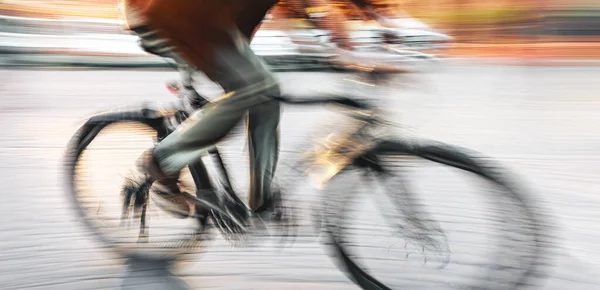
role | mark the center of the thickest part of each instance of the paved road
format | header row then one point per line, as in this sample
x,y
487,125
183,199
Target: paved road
x,y
540,122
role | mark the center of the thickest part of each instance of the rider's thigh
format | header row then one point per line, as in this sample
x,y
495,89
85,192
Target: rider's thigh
x,y
237,69
207,35
195,28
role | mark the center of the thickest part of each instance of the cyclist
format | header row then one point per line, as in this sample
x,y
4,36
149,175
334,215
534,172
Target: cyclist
x,y
213,36
327,15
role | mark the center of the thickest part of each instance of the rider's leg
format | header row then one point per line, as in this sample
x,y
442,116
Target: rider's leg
x,y
202,31
186,72
263,122
251,86
263,144
153,43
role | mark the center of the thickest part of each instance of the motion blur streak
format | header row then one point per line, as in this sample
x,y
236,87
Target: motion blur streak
x,y
515,80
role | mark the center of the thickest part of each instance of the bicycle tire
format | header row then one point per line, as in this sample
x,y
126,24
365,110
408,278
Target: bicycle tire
x,y
455,157
77,145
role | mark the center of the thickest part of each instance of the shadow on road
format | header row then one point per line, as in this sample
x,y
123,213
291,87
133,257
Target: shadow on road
x,y
151,275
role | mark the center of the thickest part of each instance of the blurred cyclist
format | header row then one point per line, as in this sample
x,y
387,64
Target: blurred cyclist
x,y
325,15
213,36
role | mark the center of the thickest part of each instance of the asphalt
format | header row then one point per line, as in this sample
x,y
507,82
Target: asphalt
x,y
540,122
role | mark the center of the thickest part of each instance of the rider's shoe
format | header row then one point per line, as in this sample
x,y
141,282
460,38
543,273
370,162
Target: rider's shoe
x,y
165,187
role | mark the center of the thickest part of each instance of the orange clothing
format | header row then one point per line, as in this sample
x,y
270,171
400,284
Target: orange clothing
x,y
198,27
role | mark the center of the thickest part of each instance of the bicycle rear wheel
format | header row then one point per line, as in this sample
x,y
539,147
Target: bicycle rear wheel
x,y
99,160
502,248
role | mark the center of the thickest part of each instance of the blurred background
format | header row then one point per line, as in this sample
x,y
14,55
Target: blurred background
x,y
524,29
514,79
488,28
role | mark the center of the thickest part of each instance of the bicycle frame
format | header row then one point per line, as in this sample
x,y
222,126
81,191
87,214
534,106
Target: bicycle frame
x,y
335,155
165,122
200,174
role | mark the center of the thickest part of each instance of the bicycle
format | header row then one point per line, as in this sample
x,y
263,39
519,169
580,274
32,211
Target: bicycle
x,y
361,150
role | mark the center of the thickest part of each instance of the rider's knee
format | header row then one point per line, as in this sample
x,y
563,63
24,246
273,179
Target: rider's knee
x,y
271,86
274,90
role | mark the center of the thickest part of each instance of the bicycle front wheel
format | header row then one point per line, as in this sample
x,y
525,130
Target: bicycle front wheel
x,y
427,215
113,201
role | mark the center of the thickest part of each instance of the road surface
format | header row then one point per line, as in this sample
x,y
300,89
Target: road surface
x,y
541,122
